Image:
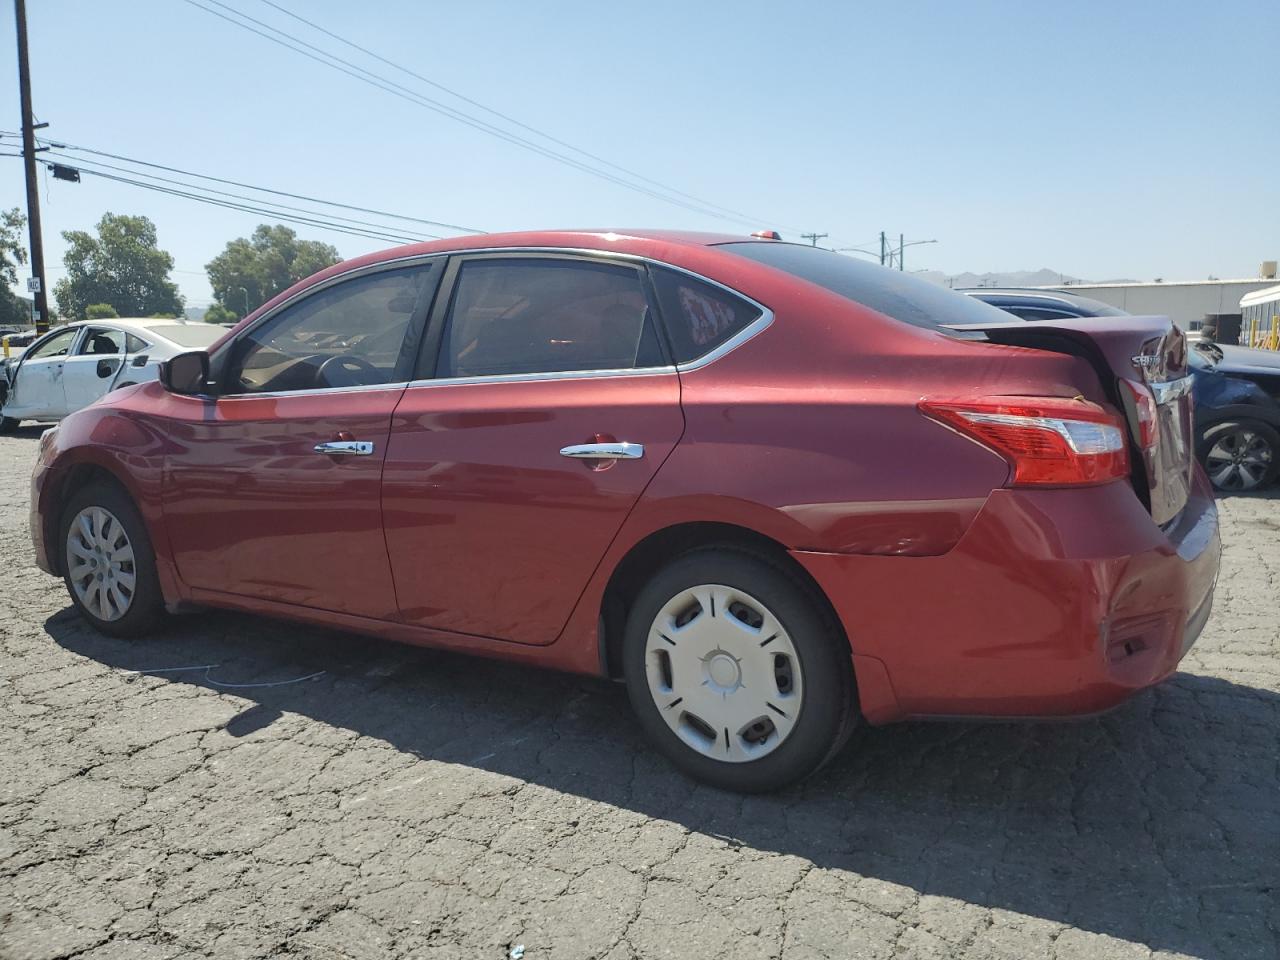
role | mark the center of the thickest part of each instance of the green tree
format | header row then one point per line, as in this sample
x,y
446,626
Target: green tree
x,y
99,311
252,270
217,313
121,266
14,310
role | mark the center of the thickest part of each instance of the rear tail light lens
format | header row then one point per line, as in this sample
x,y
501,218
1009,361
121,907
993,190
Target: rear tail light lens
x,y
1047,440
1145,406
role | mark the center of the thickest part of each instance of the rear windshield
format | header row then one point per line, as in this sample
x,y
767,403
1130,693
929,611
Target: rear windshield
x,y
190,334
891,292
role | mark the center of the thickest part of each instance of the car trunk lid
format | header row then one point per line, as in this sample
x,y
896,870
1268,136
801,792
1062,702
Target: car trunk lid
x,y
1142,364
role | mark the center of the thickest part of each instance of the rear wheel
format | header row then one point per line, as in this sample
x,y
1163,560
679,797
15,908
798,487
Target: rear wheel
x,y
1240,455
107,562
737,671
8,424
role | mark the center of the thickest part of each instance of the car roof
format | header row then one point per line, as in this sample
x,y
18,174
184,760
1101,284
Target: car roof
x,y
624,240
136,324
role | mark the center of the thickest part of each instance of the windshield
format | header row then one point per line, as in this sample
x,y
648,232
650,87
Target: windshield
x,y
191,334
891,292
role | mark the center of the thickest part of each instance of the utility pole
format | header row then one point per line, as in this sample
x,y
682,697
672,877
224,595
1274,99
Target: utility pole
x,y
900,246
882,248
813,238
40,295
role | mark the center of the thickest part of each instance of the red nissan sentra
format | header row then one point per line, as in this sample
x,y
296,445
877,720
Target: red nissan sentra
x,y
774,489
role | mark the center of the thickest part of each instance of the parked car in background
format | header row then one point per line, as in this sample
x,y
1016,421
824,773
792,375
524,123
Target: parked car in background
x,y
1237,391
73,365
762,483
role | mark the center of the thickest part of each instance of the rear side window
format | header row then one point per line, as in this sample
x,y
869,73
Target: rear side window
x,y
699,317
102,340
530,315
891,292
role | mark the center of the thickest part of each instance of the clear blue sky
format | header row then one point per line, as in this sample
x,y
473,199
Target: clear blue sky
x,y
1099,139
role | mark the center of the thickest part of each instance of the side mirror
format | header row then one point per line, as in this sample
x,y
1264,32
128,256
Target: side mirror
x,y
187,373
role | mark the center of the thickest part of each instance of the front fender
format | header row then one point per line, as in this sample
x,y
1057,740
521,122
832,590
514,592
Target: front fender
x,y
92,443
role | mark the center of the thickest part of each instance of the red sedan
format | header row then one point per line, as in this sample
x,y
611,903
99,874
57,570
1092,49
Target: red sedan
x,y
774,489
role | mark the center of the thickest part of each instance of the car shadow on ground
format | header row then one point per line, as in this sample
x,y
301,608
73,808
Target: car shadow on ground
x,y
1158,823
28,431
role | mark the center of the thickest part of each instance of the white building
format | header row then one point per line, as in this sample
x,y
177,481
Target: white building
x,y
1184,302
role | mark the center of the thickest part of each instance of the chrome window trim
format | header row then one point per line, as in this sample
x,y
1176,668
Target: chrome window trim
x,y
319,391
757,326
550,375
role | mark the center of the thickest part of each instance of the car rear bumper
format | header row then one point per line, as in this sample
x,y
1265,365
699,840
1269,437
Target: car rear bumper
x,y
1054,603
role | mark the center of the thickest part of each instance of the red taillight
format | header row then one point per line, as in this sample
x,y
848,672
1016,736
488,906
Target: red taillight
x,y
1145,405
1047,440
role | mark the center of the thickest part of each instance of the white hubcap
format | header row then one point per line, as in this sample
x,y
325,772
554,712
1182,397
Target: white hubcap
x,y
100,563
723,673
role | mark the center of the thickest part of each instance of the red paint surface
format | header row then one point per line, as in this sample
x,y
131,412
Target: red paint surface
x,y
468,530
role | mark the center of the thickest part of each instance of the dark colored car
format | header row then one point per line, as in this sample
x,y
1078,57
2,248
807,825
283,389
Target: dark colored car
x,y
1237,390
762,483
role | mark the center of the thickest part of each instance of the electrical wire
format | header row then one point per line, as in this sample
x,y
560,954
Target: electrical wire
x,y
746,218
262,211
89,165
405,93
63,145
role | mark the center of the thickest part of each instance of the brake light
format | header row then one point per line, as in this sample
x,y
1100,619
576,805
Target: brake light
x,y
1047,440
1145,405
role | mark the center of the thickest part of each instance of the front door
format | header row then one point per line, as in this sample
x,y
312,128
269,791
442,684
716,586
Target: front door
x,y
274,492
512,467
93,366
37,391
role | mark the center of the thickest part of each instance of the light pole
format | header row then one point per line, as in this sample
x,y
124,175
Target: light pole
x,y
246,301
913,243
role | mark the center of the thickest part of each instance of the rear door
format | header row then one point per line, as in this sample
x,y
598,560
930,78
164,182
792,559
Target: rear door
x,y
273,487
517,455
93,366
37,391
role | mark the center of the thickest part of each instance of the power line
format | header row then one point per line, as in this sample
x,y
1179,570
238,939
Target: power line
x,y
405,93
62,145
89,166
497,113
247,208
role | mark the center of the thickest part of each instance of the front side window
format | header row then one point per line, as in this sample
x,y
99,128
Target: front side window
x,y
101,341
529,315
699,317
353,333
59,345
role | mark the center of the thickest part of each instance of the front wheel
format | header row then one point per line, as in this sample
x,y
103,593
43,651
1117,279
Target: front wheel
x,y
1240,455
107,562
9,424
737,671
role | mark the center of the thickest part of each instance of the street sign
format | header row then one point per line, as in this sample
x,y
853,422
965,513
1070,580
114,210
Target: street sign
x,y
33,284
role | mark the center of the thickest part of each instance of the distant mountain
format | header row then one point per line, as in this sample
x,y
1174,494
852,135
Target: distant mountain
x,y
1044,277
195,313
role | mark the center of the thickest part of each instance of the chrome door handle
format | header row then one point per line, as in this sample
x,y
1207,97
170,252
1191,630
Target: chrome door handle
x,y
604,451
345,448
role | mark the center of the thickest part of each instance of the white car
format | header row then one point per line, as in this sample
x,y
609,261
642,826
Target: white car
x,y
74,365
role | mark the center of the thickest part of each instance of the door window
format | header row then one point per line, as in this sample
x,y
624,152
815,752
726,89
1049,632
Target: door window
x,y
354,333
56,346
531,315
699,317
102,341
135,344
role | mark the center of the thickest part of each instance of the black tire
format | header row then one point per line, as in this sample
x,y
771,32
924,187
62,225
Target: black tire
x,y
9,425
1254,439
829,711
146,607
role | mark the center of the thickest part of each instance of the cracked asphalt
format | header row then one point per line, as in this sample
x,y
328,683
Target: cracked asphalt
x,y
410,803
